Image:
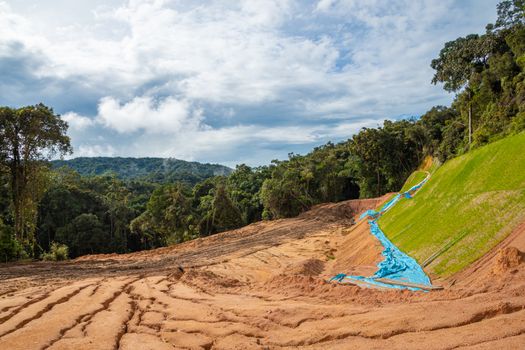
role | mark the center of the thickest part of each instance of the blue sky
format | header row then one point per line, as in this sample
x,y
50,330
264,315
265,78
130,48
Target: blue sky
x,y
226,81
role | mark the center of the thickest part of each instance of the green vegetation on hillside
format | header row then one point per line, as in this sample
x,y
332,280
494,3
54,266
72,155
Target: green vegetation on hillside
x,y
486,72
471,203
415,178
123,204
159,170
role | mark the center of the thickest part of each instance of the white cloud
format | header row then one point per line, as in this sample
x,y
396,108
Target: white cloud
x,y
95,151
240,53
219,52
144,113
174,129
247,143
325,5
77,122
199,80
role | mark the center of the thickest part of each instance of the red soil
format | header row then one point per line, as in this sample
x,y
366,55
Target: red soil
x,y
261,287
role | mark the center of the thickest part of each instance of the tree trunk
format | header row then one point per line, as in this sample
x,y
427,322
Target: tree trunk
x,y
17,198
469,126
469,119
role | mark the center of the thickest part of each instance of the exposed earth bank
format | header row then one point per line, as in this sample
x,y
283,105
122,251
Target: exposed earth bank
x,y
262,287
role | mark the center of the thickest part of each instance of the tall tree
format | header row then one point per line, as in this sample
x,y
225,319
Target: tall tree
x,y
244,186
168,217
28,136
226,215
85,235
458,61
510,13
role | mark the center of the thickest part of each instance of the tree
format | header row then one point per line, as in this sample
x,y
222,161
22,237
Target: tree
x,y
168,217
226,215
84,235
510,13
28,136
10,249
434,123
63,201
458,61
286,193
116,198
386,156
5,194
459,58
244,186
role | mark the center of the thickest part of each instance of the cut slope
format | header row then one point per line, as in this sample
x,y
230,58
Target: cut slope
x,y
469,204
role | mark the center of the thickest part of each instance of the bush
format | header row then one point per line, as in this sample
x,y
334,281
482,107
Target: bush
x,y
10,248
57,252
518,123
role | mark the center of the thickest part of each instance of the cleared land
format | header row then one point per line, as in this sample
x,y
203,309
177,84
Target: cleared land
x,y
261,287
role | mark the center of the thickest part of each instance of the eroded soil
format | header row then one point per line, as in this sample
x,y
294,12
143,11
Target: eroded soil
x,y
261,287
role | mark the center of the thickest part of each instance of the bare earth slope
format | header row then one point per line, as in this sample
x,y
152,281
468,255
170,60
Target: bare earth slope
x,y
261,287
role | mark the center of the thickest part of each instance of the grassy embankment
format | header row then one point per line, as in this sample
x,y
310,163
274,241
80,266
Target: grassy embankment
x,y
469,204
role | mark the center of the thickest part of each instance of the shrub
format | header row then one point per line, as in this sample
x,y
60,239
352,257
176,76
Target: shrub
x,y
57,252
518,123
10,248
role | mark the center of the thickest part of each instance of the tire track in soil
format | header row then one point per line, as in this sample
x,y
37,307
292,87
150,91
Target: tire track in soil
x,y
87,317
125,328
40,313
49,328
144,303
20,307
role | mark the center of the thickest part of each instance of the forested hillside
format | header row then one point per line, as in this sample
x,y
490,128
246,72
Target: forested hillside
x,y
150,203
159,170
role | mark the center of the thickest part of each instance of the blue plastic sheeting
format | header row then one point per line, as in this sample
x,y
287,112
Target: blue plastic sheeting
x,y
396,264
369,213
390,203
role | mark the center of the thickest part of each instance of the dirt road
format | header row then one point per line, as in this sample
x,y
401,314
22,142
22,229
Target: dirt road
x,y
261,287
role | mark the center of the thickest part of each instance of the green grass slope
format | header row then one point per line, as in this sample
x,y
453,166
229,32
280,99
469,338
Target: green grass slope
x,y
415,178
469,205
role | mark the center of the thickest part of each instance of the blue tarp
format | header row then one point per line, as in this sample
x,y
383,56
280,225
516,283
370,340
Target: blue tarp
x,y
396,264
369,213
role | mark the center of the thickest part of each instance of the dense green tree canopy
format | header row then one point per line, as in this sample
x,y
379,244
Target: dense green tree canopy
x,y
122,204
459,59
29,135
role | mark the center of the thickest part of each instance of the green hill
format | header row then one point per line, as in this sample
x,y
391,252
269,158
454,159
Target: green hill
x,y
469,204
151,169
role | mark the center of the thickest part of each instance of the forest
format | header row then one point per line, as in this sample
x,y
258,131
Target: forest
x,y
55,209
160,170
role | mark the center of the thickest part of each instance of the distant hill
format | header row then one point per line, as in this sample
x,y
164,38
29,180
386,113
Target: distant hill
x,y
152,169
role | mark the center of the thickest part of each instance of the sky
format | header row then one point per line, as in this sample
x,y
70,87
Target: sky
x,y
226,82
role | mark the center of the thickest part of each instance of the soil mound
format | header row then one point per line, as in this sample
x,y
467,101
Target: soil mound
x,y
304,285
342,211
330,212
309,267
508,258
205,278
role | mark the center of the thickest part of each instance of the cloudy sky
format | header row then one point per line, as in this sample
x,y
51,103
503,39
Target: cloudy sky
x,y
226,81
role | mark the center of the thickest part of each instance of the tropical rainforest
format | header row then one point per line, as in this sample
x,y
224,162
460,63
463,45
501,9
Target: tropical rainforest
x,y
55,209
